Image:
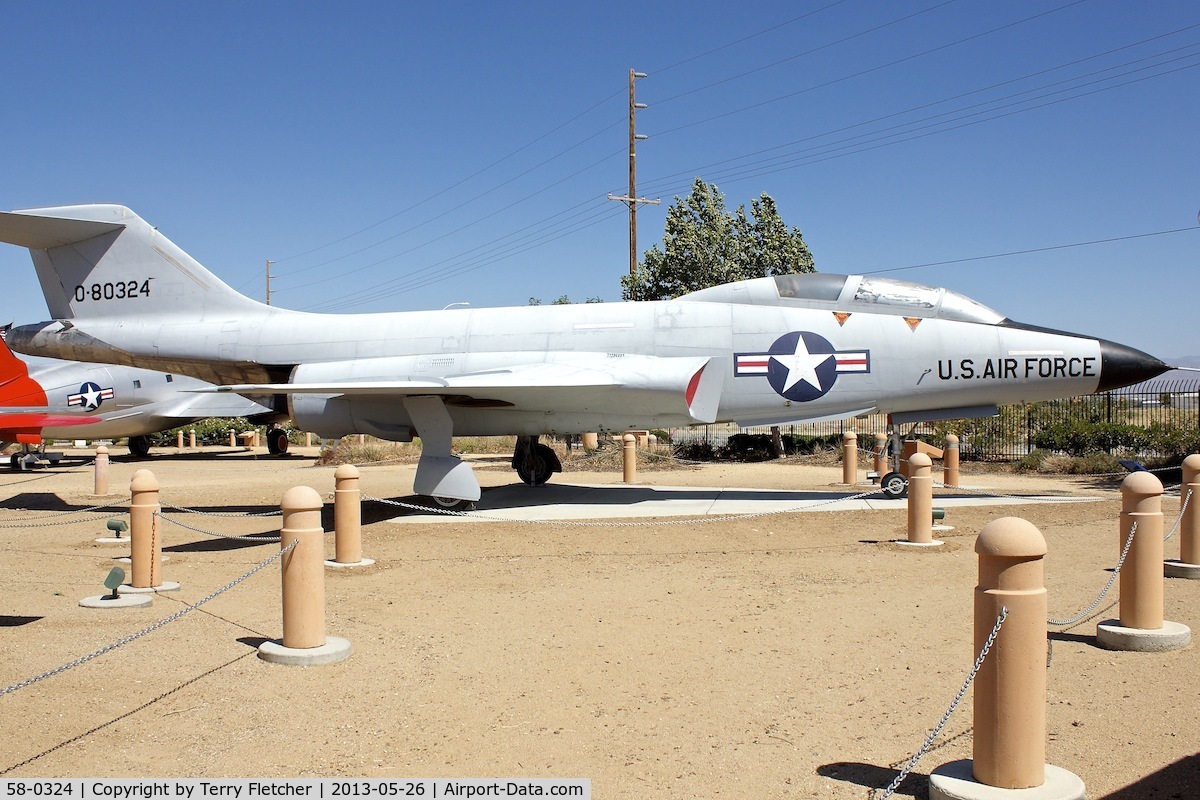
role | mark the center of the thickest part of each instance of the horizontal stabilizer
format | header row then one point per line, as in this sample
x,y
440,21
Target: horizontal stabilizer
x,y
42,233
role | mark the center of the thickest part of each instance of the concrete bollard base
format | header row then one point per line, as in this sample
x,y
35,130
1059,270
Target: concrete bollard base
x,y
366,562
120,601
165,586
112,540
1181,569
1171,636
955,781
335,649
907,543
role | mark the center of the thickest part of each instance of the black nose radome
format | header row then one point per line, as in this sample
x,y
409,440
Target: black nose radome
x,y
1123,366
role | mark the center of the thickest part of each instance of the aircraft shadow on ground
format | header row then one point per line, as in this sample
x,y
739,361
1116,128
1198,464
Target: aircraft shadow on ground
x,y
875,777
512,496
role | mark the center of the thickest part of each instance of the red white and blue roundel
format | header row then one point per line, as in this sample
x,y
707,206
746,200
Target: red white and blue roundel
x,y
801,365
90,396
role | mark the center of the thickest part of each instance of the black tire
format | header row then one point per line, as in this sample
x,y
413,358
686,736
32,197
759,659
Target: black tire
x,y
277,441
537,466
452,504
139,446
14,461
894,485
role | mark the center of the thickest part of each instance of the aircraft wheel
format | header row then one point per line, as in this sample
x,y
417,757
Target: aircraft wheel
x,y
452,504
537,466
14,461
139,446
894,485
277,441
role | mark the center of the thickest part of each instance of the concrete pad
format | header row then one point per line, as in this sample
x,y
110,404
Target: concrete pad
x,y
120,601
560,501
366,562
165,586
1171,636
955,781
335,649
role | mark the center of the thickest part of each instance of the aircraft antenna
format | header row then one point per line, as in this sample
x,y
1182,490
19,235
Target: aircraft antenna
x,y
632,200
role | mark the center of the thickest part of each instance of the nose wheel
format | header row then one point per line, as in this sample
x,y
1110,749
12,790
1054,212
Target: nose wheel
x,y
894,485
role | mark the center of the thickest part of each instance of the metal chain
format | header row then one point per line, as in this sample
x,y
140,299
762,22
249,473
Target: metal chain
x,y
646,524
69,511
1111,579
260,539
274,513
912,762
1182,509
147,630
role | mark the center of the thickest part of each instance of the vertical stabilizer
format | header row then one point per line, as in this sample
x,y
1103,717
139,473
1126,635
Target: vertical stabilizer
x,y
104,261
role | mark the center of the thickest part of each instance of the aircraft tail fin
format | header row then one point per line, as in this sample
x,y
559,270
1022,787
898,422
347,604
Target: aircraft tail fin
x,y
16,387
104,261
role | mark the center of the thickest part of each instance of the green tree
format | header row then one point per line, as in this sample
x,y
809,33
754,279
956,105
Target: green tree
x,y
706,245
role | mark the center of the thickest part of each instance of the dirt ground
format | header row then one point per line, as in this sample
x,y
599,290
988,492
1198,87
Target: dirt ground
x,y
797,655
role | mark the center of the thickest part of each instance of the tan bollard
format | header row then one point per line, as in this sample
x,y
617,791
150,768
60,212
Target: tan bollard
x,y
304,642
1141,626
881,465
629,457
850,458
1141,575
591,441
347,519
145,555
101,477
192,438
1010,687
950,461
920,501
1189,524
232,439
307,439
303,569
255,441
179,440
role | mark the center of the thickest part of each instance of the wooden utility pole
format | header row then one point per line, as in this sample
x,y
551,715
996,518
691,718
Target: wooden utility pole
x,y
632,200
269,263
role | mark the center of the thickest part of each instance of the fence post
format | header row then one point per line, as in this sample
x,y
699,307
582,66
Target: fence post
x,y
850,458
100,484
920,502
629,458
1141,626
1188,565
145,543
1010,687
347,519
303,540
950,461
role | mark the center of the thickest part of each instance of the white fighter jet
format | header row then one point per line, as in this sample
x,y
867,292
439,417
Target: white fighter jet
x,y
42,399
767,351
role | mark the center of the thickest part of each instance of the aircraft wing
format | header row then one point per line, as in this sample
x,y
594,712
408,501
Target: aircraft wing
x,y
691,384
29,419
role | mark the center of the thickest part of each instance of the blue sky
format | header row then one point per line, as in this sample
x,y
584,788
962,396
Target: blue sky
x,y
397,156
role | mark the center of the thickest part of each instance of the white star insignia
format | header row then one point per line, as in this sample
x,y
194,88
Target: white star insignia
x,y
802,366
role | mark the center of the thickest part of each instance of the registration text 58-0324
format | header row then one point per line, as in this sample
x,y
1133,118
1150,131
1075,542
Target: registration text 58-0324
x,y
115,290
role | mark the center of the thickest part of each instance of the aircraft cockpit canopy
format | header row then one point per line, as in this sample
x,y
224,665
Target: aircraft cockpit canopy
x,y
851,293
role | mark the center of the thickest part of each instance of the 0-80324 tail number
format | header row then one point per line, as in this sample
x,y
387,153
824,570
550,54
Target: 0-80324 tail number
x,y
118,290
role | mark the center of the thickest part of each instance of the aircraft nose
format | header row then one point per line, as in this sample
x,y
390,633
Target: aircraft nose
x,y
1122,366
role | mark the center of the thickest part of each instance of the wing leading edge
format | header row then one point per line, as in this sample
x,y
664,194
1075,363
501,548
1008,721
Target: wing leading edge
x,y
690,385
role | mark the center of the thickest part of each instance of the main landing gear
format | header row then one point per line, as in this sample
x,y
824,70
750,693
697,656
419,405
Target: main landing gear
x,y
534,461
277,441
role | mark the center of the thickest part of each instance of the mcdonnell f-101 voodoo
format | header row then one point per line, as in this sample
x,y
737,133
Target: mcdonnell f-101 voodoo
x,y
767,351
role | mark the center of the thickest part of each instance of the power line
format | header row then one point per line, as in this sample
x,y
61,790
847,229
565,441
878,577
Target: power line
x,y
1050,248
